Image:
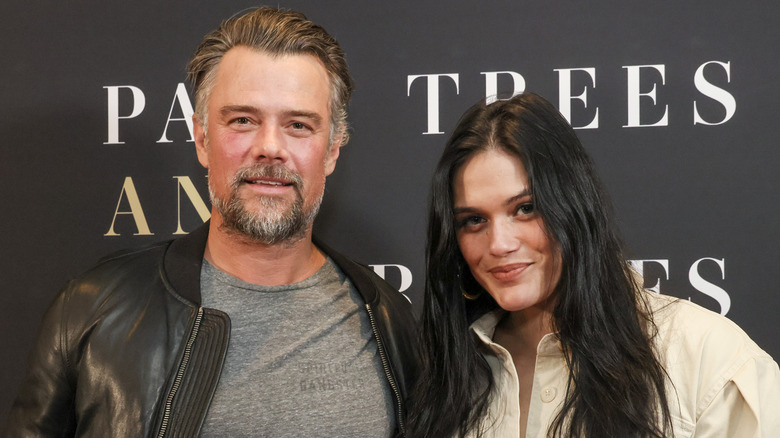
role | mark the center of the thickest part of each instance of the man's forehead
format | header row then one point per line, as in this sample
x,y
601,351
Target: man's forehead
x,y
243,55
299,80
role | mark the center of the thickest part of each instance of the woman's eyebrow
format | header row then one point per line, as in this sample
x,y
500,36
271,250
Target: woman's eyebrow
x,y
517,197
524,193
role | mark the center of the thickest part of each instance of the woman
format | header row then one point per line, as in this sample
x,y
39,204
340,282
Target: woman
x,y
533,324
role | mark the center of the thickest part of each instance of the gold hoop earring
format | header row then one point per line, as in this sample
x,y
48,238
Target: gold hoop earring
x,y
463,292
471,297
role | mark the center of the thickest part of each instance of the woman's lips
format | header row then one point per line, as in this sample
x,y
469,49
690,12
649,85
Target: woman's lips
x,y
509,272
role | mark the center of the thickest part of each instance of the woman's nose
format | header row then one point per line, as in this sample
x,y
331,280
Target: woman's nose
x,y
504,238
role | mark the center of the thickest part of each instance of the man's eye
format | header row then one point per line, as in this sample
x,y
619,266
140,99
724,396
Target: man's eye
x,y
298,125
241,120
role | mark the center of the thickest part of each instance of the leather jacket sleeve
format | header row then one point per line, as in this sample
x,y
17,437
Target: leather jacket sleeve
x,y
43,407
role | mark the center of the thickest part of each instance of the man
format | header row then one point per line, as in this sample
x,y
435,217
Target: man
x,y
245,327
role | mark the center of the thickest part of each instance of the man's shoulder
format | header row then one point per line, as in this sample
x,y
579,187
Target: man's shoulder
x,y
127,261
128,254
117,276
371,286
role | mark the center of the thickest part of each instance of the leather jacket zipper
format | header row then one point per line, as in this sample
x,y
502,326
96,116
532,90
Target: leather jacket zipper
x,y
180,374
388,374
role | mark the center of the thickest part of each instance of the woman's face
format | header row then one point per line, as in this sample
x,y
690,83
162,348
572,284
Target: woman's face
x,y
500,235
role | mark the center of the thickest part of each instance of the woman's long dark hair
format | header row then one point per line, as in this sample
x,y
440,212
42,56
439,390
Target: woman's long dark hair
x,y
616,385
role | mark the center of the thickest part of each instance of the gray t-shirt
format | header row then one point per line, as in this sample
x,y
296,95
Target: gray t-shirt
x,y
302,360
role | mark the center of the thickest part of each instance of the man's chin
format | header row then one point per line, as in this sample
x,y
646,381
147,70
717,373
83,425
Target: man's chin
x,y
273,213
273,207
251,237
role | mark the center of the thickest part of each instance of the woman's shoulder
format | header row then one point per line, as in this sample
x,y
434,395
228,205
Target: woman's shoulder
x,y
709,360
701,346
681,321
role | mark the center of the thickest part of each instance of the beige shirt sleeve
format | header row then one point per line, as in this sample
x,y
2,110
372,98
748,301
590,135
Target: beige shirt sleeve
x,y
747,406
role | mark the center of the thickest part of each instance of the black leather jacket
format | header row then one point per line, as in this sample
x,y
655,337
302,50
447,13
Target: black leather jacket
x,y
126,350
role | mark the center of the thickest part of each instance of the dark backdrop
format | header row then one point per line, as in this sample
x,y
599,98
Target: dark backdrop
x,y
684,96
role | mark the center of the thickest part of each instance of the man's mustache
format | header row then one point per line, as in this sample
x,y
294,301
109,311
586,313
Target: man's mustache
x,y
269,171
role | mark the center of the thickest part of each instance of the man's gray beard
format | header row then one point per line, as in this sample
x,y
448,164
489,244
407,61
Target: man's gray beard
x,y
271,225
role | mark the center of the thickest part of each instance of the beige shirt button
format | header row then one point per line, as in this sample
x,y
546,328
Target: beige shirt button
x,y
548,394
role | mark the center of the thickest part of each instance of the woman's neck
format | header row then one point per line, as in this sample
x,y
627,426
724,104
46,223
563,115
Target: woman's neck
x,y
522,330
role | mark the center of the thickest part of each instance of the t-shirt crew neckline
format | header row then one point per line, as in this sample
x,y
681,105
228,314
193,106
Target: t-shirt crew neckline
x,y
326,270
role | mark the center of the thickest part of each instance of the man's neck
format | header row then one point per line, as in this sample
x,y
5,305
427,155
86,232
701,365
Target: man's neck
x,y
257,263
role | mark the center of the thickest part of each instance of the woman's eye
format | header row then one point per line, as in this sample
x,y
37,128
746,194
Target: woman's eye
x,y
525,209
470,221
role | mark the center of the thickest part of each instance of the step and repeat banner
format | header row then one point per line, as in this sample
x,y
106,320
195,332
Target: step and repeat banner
x,y
677,103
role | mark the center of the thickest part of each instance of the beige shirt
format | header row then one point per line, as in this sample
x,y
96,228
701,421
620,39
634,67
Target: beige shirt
x,y
724,384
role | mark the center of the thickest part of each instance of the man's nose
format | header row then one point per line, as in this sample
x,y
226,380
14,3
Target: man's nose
x,y
269,144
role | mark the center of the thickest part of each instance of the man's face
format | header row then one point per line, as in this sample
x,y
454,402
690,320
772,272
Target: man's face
x,y
266,146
